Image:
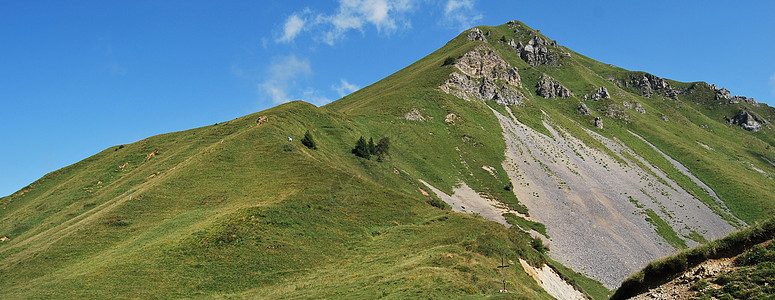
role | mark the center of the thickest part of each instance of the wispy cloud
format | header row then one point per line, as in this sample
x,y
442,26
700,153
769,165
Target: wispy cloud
x,y
293,26
345,88
461,14
386,16
772,84
286,80
282,76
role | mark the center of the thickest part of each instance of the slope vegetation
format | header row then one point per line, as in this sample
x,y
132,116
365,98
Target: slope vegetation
x,y
605,168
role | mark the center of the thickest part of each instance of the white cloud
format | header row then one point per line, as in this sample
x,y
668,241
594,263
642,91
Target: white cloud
x,y
461,14
282,76
345,88
772,84
384,15
293,25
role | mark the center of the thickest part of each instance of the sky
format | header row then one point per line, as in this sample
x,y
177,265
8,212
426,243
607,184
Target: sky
x,y
77,77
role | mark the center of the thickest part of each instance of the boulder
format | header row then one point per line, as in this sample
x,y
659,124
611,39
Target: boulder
x,y
639,108
549,87
413,115
601,93
747,121
583,109
598,122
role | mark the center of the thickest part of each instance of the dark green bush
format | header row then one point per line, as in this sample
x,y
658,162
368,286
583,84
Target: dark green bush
x,y
448,61
308,141
361,149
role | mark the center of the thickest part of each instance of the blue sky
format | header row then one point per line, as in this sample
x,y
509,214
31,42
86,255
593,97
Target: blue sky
x,y
77,77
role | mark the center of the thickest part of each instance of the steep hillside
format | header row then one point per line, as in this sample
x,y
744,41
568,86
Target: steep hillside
x,y
739,266
596,153
607,168
234,209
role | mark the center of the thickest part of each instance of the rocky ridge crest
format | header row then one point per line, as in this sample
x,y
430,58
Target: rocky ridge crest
x,y
484,75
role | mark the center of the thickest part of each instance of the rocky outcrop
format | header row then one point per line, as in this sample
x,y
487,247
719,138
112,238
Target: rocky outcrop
x,y
743,99
747,121
637,106
536,51
476,35
615,111
549,87
651,85
598,122
724,95
483,76
413,115
601,93
583,110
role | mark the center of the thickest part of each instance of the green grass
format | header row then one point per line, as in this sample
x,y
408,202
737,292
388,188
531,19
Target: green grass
x,y
234,210
664,230
526,224
665,269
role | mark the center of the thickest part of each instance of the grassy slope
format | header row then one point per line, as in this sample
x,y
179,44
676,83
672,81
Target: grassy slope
x,y
234,210
665,269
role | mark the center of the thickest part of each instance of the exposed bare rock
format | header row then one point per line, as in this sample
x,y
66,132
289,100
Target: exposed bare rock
x,y
615,111
651,85
738,99
721,94
536,51
508,95
450,118
724,94
484,62
747,121
549,87
601,93
413,115
598,122
485,76
639,108
476,35
583,109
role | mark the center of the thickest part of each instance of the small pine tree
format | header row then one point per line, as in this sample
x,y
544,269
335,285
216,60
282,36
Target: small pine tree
x,y
308,141
448,61
372,147
383,146
362,149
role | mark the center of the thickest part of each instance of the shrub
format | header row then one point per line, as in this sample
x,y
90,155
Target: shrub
x,y
361,149
448,61
538,244
383,146
308,141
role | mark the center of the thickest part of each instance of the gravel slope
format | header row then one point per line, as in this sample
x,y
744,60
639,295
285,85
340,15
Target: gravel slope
x,y
586,200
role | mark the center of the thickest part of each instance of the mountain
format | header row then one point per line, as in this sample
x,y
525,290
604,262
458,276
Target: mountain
x,y
594,171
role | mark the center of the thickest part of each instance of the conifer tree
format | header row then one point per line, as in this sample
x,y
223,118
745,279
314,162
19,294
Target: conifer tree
x,y
308,141
362,148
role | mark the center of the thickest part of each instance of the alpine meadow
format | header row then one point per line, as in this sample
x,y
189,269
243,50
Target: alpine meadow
x,y
501,165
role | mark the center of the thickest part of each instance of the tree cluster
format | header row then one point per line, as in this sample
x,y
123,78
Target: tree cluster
x,y
367,149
